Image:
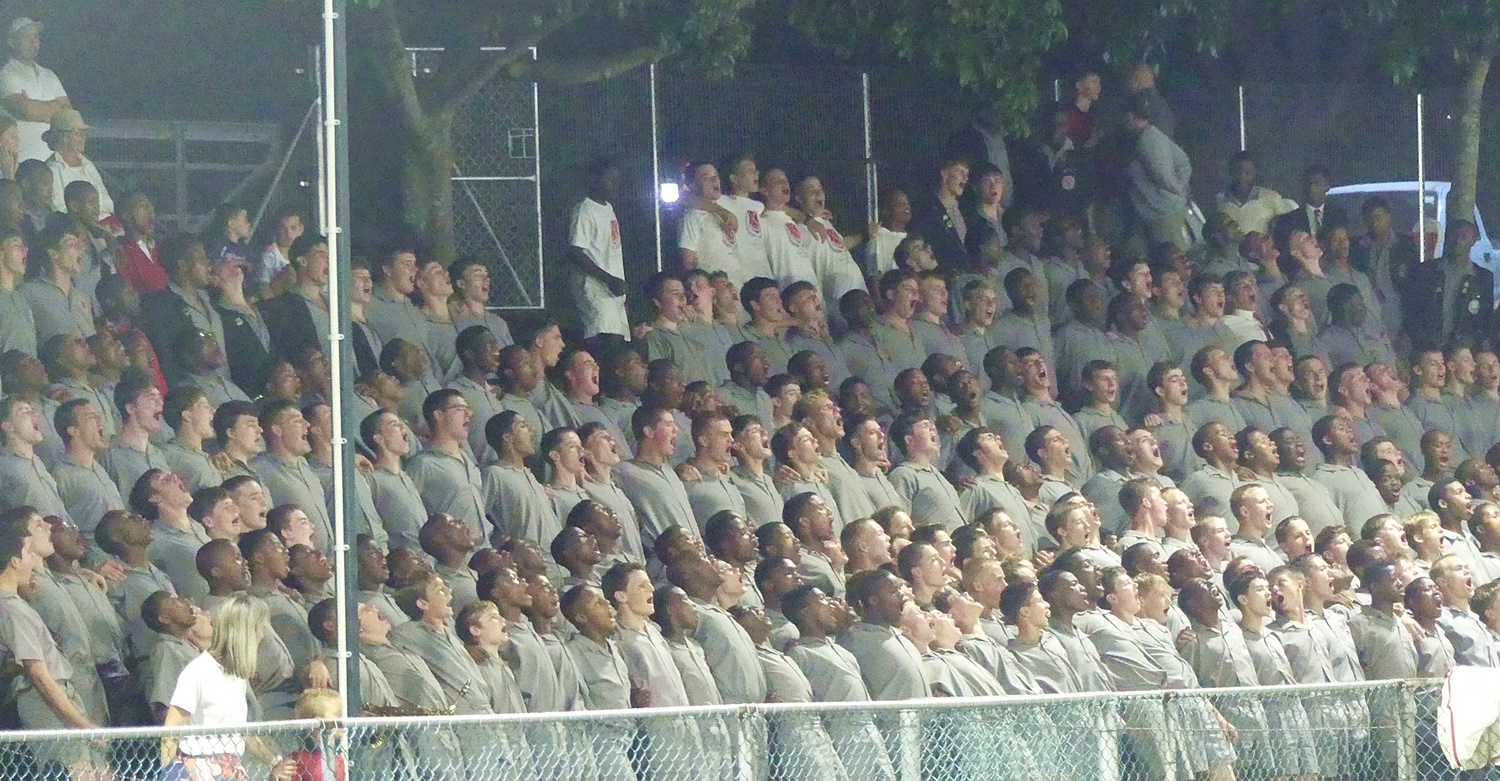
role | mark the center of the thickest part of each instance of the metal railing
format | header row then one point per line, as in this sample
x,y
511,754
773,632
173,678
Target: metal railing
x,y
1382,730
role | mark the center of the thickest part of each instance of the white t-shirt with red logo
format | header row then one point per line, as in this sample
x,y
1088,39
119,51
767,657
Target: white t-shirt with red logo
x,y
596,231
834,264
716,249
789,248
749,241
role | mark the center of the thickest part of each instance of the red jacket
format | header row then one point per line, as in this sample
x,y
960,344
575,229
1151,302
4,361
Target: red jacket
x,y
141,268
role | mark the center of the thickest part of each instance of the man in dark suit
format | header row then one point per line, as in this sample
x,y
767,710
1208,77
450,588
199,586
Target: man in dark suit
x,y
1452,299
1314,213
938,218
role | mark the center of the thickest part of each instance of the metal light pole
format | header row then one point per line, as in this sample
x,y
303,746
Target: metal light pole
x,y
335,200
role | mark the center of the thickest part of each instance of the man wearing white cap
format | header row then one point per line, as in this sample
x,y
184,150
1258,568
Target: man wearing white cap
x,y
31,92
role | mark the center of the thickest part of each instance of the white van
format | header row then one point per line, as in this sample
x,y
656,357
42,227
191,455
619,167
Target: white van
x,y
1402,199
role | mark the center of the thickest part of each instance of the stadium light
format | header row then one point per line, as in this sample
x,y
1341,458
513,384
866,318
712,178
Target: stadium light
x,y
670,192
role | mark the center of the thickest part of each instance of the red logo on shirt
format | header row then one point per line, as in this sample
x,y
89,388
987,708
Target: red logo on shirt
x,y
754,220
796,234
614,231
834,238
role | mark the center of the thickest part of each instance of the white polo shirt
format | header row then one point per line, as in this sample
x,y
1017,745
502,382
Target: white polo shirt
x,y
38,83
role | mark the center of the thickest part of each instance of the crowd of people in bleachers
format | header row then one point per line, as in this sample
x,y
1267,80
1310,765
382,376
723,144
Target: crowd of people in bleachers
x,y
1040,430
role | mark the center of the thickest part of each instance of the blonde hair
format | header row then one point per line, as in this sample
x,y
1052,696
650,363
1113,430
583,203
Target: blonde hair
x,y
239,627
1150,582
318,704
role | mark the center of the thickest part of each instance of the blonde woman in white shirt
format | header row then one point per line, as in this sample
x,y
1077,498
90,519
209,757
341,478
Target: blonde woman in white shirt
x,y
212,692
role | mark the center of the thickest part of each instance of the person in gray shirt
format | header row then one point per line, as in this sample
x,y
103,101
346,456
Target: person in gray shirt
x,y
601,456
284,471
446,474
190,414
479,359
127,537
730,653
72,365
183,632
607,684
58,305
82,482
133,450
752,449
660,499
391,314
889,664
864,439
1211,485
160,497
447,540
1160,177
514,499
1386,648
397,501
731,539
23,475
745,390
1353,493
430,636
811,521
1473,644
932,498
715,490
1313,499
17,324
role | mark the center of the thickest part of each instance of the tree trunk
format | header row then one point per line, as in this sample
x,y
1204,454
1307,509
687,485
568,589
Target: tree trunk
x,y
428,188
1466,164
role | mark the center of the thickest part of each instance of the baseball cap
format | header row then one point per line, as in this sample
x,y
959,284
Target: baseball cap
x,y
21,23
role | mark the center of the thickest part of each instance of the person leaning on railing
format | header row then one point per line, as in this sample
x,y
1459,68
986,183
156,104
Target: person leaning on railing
x,y
212,692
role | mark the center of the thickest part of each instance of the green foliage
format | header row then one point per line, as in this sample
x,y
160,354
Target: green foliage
x,y
1414,33
1122,31
992,49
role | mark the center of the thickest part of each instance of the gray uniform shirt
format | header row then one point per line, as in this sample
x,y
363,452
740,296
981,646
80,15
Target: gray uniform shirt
x,y
889,663
175,552
27,482
762,499
648,659
659,497
87,492
1386,650
713,494
730,654
126,464
399,505
605,677
17,324
56,312
449,662
520,505
1356,497
452,485
929,494
295,482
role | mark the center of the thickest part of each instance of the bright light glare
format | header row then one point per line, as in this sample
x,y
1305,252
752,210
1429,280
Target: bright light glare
x,y
670,192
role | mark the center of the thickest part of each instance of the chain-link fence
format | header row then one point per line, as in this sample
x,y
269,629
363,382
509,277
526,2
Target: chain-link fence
x,y
177,754
1362,731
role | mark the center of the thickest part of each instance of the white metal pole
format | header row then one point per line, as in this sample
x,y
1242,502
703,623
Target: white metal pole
x,y
1243,147
320,54
536,123
331,130
655,167
872,198
1421,187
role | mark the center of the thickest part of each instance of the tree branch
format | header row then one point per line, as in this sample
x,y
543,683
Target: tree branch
x,y
393,64
464,86
583,71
